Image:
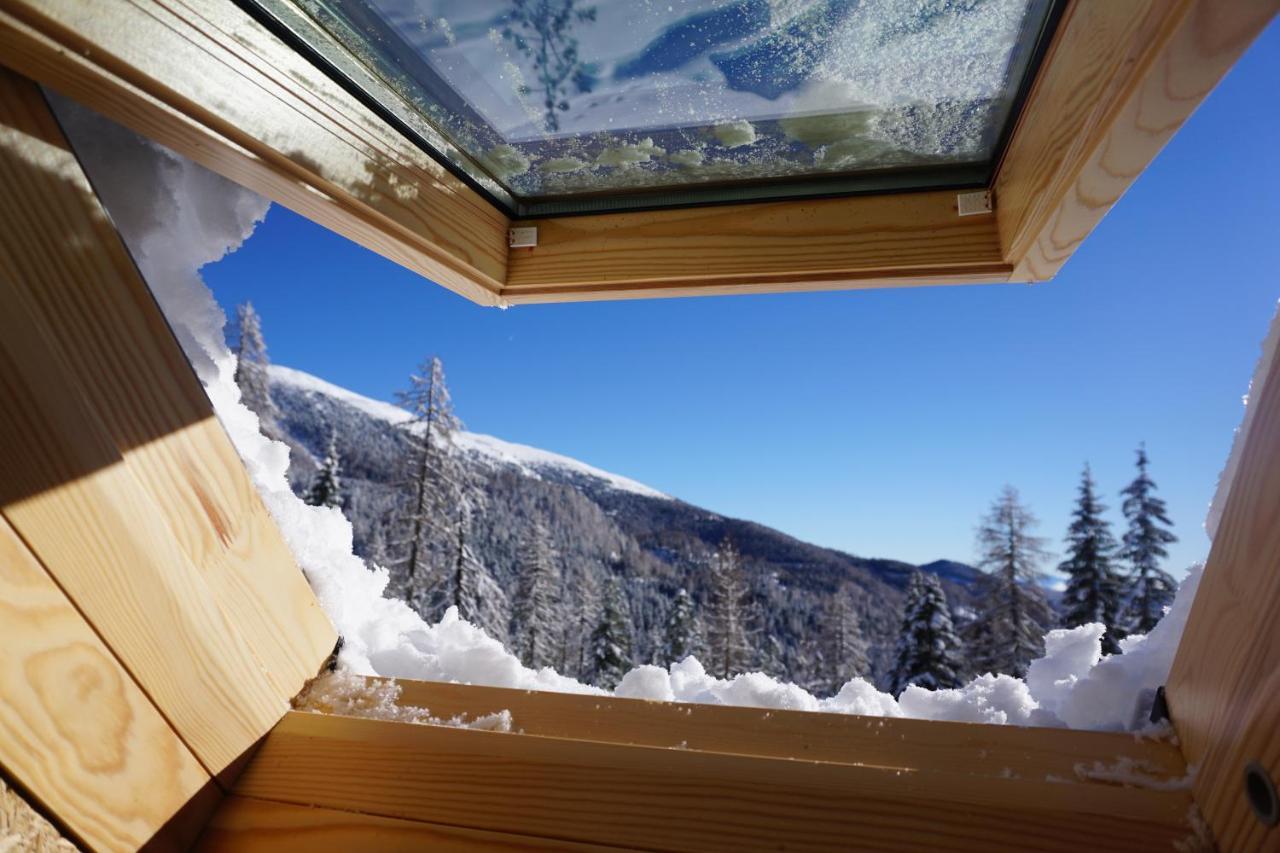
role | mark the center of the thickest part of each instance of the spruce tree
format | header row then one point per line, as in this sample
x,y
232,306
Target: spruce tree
x,y
326,486
536,629
727,615
929,651
1149,589
1093,585
844,653
1013,605
680,636
611,641
432,485
251,370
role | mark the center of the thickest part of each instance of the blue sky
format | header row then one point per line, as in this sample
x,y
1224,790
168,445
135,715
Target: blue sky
x,y
878,422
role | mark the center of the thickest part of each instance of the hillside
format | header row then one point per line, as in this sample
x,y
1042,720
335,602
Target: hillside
x,y
604,523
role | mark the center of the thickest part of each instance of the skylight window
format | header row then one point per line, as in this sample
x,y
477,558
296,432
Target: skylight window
x,y
556,106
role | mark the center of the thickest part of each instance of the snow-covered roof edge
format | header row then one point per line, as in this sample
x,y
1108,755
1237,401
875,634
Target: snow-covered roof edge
x,y
1262,373
530,460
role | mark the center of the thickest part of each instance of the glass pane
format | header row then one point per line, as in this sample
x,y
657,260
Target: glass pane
x,y
556,99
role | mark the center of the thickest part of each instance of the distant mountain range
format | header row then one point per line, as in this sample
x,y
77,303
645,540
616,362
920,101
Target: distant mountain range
x,y
602,523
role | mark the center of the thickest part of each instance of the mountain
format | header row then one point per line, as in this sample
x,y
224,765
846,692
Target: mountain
x,y
604,524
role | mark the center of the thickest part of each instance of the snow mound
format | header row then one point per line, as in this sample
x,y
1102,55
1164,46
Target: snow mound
x,y
530,461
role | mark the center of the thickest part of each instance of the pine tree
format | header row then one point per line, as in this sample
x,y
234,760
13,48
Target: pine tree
x,y
680,636
611,640
326,486
586,596
433,482
1149,589
536,628
844,653
1093,586
727,614
1013,604
473,590
251,370
929,651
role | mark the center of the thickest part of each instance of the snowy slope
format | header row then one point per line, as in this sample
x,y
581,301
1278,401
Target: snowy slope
x,y
530,461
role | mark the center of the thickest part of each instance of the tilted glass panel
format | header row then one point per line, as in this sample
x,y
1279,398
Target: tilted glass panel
x,y
570,99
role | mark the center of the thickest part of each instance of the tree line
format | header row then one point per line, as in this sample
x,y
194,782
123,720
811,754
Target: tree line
x,y
581,626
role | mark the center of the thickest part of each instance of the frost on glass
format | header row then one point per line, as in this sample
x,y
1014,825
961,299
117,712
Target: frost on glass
x,y
561,97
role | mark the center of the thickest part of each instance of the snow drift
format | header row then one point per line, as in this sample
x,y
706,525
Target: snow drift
x,y
175,217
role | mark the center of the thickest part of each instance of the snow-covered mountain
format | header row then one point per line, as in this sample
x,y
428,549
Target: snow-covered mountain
x,y
603,523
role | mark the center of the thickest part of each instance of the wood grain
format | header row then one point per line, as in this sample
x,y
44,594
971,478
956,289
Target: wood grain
x,y
77,731
245,825
840,738
1224,690
912,238
682,799
205,79
89,299
1120,79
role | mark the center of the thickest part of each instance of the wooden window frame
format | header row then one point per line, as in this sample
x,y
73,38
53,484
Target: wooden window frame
x,y
206,79
1118,81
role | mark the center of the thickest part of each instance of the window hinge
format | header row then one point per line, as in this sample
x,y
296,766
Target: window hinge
x,y
970,204
522,238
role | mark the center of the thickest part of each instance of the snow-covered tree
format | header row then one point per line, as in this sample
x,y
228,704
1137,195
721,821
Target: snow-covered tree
x,y
251,370
611,641
929,651
1149,589
1093,585
536,629
326,486
680,636
433,483
1012,603
844,652
728,650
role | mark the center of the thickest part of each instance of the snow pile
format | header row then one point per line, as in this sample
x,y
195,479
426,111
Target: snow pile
x,y
175,217
350,695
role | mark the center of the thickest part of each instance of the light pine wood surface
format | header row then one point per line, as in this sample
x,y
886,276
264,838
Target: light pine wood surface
x,y
245,825
1120,79
842,738
75,728
684,799
1224,690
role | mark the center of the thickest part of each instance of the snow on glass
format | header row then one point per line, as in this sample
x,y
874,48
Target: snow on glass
x,y
553,97
176,217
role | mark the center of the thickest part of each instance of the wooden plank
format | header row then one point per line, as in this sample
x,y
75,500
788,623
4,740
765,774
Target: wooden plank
x,y
78,732
841,738
205,79
913,238
246,825
1120,79
1224,690
66,490
682,799
146,396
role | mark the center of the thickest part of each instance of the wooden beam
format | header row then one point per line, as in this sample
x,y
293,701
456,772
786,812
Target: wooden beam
x,y
1224,690
907,239
78,732
902,744
110,448
1119,81
205,79
147,398
683,799
246,825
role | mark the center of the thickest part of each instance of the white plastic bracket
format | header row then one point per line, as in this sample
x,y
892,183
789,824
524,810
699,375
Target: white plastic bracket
x,y
522,238
974,203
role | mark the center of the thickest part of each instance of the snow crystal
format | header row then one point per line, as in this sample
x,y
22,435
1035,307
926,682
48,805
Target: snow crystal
x,y
350,695
175,217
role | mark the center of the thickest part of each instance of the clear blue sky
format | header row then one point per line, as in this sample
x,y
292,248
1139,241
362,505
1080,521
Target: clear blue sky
x,y
878,422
